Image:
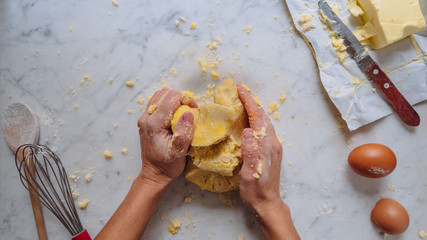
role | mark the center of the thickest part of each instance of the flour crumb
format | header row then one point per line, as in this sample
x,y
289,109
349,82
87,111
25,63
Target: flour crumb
x,y
174,226
391,187
108,154
88,177
124,150
83,204
248,29
422,234
130,83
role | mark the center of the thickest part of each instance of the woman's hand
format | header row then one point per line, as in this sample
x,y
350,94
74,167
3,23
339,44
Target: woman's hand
x,y
260,172
163,153
262,156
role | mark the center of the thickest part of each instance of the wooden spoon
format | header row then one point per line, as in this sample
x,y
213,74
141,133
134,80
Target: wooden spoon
x,y
21,126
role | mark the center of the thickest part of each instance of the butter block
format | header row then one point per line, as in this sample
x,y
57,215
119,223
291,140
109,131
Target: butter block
x,y
392,19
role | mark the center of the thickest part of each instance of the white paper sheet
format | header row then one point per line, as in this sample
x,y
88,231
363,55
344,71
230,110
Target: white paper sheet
x,y
357,101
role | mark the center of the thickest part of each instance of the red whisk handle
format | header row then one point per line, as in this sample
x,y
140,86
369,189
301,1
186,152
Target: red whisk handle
x,y
82,236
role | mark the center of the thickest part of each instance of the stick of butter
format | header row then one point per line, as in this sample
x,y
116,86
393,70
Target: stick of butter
x,y
393,20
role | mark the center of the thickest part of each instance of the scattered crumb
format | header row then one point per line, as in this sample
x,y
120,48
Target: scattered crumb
x,y
115,3
88,177
83,204
290,163
255,175
108,154
174,226
215,75
140,100
248,29
422,234
129,111
124,150
76,106
226,199
391,187
382,195
176,23
164,84
276,116
182,19
189,198
282,97
75,195
259,167
241,237
110,80
70,29
128,178
193,26
75,178
130,83
115,126
272,107
86,77
152,108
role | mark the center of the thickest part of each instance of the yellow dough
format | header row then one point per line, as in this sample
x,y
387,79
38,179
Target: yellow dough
x,y
215,153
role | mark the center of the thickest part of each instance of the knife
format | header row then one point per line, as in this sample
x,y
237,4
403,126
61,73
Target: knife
x,y
356,51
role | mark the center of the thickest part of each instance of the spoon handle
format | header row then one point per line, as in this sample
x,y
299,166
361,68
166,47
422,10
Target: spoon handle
x,y
35,203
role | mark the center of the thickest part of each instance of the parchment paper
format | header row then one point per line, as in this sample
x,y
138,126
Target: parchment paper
x,y
348,88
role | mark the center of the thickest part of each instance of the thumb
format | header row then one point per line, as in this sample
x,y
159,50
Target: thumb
x,y
250,150
183,135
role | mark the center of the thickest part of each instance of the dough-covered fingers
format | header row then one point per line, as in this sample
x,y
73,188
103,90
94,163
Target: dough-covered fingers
x,y
182,135
255,113
155,99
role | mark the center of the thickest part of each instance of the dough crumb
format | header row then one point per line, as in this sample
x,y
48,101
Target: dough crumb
x,y
422,234
108,154
241,237
115,4
115,126
261,133
193,26
215,75
248,29
174,226
272,107
124,150
282,97
226,199
75,195
182,19
130,83
129,111
255,175
74,178
276,116
176,23
391,187
83,204
189,198
152,108
88,177
259,167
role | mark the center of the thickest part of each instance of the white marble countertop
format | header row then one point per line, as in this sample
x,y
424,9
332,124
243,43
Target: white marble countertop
x,y
47,47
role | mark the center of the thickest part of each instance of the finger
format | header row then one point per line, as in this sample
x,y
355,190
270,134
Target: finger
x,y
251,154
255,112
155,99
182,135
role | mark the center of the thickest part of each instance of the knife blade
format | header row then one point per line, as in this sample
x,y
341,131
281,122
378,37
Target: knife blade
x,y
368,66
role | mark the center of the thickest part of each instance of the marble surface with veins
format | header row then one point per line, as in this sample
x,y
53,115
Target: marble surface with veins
x,y
48,47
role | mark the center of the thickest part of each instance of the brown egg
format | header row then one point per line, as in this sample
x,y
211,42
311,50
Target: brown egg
x,y
372,160
390,216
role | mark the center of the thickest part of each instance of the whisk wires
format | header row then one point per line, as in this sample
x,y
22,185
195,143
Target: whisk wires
x,y
43,175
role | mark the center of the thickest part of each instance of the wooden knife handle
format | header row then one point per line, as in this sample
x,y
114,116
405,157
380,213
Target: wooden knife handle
x,y
35,203
406,112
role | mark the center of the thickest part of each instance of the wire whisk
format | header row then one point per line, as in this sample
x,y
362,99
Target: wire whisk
x,y
43,175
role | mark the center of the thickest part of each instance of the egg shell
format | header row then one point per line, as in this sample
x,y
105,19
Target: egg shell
x,y
372,160
390,216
